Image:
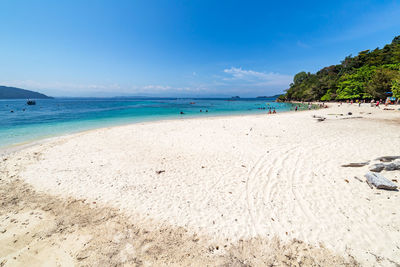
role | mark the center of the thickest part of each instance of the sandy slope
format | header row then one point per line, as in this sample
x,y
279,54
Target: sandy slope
x,y
230,179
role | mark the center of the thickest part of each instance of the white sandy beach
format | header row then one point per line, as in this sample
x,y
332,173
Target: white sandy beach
x,y
224,179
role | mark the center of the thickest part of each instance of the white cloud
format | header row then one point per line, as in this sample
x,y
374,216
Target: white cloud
x,y
257,78
31,84
302,45
234,81
157,87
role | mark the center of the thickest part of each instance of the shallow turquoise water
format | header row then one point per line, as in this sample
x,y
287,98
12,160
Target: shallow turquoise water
x,y
52,117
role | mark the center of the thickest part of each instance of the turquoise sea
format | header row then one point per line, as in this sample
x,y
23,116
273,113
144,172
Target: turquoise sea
x,y
52,117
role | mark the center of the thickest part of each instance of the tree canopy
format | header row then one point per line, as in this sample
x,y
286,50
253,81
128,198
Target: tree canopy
x,y
369,75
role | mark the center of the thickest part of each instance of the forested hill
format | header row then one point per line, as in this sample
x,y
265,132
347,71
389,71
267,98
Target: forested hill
x,y
369,75
17,93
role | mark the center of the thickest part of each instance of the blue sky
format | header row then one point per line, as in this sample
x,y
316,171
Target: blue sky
x,y
182,48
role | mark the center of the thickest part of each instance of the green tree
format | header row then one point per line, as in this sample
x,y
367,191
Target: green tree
x,y
352,86
328,96
381,82
369,74
396,88
396,40
300,77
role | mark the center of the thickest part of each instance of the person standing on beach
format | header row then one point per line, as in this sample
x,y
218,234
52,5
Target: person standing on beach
x,y
295,109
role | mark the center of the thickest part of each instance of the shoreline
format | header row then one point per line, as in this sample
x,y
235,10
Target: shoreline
x,y
254,178
9,149
62,127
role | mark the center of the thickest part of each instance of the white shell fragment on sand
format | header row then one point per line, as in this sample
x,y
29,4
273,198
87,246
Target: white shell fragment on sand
x,y
379,181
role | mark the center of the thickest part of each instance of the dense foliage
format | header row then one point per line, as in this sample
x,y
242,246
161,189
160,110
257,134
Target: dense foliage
x,y
369,75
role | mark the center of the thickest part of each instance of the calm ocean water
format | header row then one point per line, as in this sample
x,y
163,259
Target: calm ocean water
x,y
52,117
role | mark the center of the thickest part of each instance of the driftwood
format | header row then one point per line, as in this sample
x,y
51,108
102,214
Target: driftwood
x,y
388,158
358,179
369,184
377,167
379,181
348,118
394,166
319,118
356,164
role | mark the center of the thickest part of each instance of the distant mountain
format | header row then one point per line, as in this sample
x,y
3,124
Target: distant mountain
x,y
17,93
273,96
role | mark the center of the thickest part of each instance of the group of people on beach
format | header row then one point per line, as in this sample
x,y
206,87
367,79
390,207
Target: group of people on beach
x,y
309,106
359,102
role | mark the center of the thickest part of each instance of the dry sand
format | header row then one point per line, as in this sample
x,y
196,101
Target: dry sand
x,y
255,190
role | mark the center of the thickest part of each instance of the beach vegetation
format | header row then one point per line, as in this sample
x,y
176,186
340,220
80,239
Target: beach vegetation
x,y
396,88
372,74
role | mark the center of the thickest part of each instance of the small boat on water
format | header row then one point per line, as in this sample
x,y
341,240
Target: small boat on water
x,y
31,102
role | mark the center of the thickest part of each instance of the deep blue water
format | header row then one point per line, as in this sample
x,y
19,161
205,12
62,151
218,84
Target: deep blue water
x,y
52,117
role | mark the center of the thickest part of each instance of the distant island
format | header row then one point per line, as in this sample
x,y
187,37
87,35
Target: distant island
x,y
369,75
18,93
